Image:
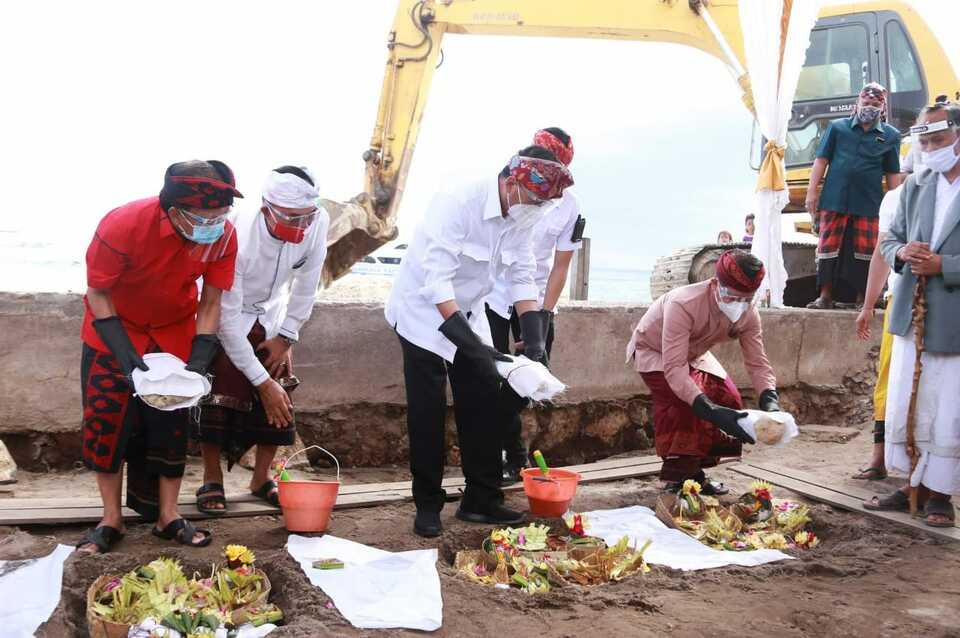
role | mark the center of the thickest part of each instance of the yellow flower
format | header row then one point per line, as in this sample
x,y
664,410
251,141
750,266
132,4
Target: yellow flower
x,y
240,553
806,540
690,487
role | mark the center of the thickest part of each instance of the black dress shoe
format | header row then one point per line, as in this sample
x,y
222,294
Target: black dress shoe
x,y
491,515
427,524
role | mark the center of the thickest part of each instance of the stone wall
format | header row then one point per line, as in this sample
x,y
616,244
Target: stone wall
x,y
352,400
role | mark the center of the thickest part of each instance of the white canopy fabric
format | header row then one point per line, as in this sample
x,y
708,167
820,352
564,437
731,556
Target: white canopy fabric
x,y
774,86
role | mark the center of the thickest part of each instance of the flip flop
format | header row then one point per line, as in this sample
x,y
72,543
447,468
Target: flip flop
x,y
939,507
104,537
870,474
713,488
212,494
820,304
183,532
896,502
268,492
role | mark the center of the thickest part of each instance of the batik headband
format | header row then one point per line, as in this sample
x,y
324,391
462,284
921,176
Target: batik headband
x,y
875,92
731,275
544,178
190,191
549,141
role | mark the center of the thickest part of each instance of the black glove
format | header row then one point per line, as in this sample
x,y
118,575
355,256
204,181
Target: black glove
x,y
769,400
724,418
534,335
202,353
114,335
458,330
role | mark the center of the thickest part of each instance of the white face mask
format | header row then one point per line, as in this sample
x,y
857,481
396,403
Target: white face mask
x,y
526,215
733,309
940,160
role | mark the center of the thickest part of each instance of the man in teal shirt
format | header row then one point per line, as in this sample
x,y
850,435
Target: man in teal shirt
x,y
860,151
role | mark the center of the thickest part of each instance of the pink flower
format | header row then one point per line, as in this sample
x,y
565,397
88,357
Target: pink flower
x,y
110,586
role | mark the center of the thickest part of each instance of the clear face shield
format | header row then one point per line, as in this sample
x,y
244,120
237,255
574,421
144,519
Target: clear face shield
x,y
208,233
300,221
734,303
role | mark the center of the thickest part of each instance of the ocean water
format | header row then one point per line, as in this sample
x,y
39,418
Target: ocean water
x,y
30,265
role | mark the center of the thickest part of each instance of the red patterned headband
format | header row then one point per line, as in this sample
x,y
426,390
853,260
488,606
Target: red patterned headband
x,y
731,275
543,178
549,141
874,91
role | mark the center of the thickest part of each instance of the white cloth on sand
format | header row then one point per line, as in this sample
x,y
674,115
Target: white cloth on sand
x,y
670,547
937,427
30,591
376,589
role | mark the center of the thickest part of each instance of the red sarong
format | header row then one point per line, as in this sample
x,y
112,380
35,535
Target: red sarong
x,y
832,226
686,443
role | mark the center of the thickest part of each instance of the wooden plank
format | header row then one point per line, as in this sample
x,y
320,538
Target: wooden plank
x,y
843,488
452,482
63,513
841,500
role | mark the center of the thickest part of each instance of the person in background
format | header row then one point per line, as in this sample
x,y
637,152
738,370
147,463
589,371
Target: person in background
x,y
696,406
879,274
860,151
471,235
924,241
748,228
555,238
282,246
142,270
725,237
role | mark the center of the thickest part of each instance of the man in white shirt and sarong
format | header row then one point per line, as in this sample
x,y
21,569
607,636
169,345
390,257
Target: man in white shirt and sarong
x,y
924,240
471,235
280,257
555,238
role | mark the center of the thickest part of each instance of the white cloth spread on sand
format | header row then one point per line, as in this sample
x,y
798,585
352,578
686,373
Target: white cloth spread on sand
x,y
937,427
376,589
670,547
30,591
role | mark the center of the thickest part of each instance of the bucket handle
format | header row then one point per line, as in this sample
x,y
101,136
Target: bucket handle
x,y
310,447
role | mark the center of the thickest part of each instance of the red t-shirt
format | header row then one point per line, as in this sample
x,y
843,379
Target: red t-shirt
x,y
143,261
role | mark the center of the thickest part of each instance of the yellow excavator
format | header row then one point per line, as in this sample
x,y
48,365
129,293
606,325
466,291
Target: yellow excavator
x,y
851,45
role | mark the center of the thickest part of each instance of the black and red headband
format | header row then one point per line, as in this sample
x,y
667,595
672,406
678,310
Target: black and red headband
x,y
191,191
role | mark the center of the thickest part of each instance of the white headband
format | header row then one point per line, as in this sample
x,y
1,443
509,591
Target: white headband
x,y
289,191
932,127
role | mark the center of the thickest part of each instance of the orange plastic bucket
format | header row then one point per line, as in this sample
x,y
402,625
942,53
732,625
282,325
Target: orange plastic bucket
x,y
307,505
549,496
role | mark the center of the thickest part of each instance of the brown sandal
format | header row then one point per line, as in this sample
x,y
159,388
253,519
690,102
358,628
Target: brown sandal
x,y
870,474
939,507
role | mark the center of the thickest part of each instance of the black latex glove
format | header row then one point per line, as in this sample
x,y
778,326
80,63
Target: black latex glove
x,y
457,329
534,335
724,418
114,335
202,353
769,400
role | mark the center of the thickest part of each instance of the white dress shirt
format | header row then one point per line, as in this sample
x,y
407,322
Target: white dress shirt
x,y
460,248
888,210
275,283
946,193
552,233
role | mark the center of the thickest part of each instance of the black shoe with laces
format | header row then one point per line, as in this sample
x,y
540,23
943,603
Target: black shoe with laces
x,y
491,515
427,524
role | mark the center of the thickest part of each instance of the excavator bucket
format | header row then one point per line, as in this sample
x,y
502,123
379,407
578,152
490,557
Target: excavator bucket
x,y
356,230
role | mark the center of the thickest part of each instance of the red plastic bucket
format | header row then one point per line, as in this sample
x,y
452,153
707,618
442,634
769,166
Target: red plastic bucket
x,y
550,495
307,505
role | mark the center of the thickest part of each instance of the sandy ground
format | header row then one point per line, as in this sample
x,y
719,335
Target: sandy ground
x,y
868,578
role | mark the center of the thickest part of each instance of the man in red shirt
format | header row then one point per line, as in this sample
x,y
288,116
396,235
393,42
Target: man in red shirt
x,y
142,270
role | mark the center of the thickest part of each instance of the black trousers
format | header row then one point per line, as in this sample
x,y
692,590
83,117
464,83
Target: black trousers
x,y
510,405
474,405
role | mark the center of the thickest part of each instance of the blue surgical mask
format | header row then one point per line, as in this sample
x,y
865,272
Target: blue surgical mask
x,y
203,229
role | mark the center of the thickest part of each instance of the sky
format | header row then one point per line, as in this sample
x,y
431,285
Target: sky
x,y
99,97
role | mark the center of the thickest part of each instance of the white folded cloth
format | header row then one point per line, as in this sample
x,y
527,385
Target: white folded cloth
x,y
530,379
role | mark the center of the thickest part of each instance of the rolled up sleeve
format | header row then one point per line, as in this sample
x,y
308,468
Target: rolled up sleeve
x,y
306,282
445,232
233,332
565,240
755,355
675,348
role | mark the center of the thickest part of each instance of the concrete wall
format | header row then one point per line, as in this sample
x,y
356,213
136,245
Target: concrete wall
x,y
352,395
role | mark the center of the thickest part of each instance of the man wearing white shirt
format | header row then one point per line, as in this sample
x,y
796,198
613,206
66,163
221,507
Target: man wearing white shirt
x,y
555,238
280,257
471,234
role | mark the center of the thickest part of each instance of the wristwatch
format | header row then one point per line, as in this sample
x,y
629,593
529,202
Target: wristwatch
x,y
287,340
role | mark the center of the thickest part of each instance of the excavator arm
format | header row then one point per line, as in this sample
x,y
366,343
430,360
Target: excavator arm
x,y
368,221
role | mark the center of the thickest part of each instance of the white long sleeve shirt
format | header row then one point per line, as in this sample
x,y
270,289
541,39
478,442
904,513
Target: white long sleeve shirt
x,y
552,233
460,248
275,283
